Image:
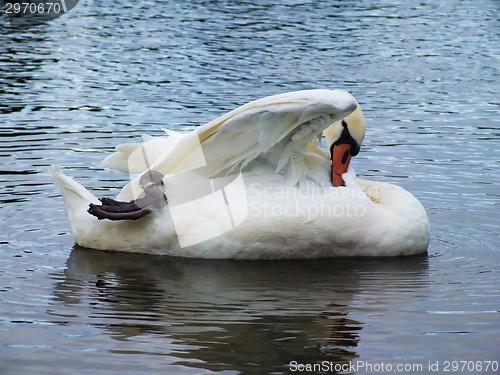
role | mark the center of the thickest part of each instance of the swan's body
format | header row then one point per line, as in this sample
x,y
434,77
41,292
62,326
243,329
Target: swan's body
x,y
255,184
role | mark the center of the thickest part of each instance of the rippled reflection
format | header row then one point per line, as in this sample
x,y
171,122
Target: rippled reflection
x,y
233,315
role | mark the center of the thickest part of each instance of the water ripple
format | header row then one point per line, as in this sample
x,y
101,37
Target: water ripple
x,y
426,75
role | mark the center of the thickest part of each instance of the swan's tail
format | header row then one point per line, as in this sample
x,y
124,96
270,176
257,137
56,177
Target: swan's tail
x,y
76,202
73,193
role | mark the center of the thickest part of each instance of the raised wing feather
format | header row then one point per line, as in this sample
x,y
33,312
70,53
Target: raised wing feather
x,y
273,122
281,129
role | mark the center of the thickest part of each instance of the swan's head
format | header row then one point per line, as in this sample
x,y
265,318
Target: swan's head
x,y
344,140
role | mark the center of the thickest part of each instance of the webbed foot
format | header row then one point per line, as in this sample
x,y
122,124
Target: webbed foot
x,y
154,198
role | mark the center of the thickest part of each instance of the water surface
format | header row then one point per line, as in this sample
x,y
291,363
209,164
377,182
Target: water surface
x,y
427,77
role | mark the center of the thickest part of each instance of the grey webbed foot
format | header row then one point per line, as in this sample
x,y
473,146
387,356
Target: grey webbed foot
x,y
154,199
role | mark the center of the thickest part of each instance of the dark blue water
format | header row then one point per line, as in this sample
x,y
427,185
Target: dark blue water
x,y
427,77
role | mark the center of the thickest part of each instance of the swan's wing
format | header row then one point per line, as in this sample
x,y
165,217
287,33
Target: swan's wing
x,y
137,157
279,129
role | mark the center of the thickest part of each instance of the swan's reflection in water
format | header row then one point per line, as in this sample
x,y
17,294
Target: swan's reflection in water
x,y
230,315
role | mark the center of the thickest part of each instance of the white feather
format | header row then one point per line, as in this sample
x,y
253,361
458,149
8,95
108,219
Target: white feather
x,y
276,128
269,190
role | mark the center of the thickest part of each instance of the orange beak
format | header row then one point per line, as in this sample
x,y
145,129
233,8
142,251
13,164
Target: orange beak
x,y
340,163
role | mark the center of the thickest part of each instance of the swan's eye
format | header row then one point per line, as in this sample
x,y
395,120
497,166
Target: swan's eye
x,y
344,158
346,137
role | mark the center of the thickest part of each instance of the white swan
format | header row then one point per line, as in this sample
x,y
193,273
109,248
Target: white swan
x,y
253,184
